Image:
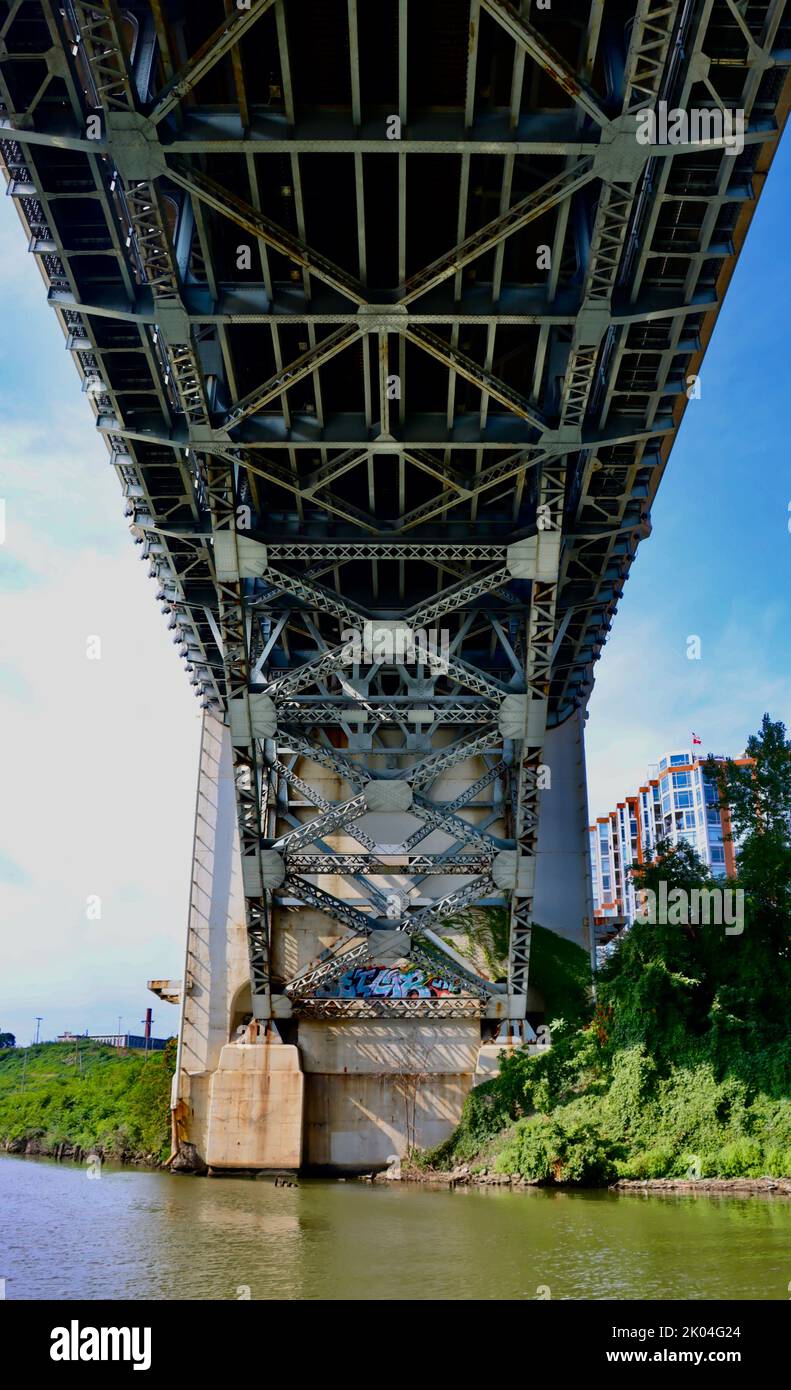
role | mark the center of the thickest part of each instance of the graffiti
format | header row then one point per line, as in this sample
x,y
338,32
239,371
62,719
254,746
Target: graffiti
x,y
390,984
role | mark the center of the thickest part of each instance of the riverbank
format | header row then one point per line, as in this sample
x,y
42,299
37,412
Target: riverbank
x,y
71,1101
74,1153
465,1177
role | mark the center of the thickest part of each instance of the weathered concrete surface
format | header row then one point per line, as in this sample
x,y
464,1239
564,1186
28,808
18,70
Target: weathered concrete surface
x,y
375,1088
563,901
362,1120
216,994
255,1109
390,1045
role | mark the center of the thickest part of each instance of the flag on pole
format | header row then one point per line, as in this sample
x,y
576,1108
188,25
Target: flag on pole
x,y
695,738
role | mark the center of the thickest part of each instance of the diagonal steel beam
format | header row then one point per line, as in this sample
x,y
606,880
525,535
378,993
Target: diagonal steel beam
x,y
200,186
436,468
435,816
536,46
551,193
422,774
452,902
490,477
457,595
336,818
216,46
324,600
324,757
334,468
291,683
648,51
325,971
275,473
486,381
301,367
335,908
645,65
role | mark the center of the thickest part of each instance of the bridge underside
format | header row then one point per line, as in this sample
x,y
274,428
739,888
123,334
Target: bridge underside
x,y
389,319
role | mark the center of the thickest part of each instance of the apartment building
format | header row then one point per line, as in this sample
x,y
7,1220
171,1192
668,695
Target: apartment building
x,y
677,802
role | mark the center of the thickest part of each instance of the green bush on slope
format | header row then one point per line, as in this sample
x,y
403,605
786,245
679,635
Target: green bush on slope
x,y
683,1070
87,1095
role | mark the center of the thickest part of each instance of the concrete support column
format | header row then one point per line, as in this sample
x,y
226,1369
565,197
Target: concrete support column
x,y
236,1104
563,895
216,971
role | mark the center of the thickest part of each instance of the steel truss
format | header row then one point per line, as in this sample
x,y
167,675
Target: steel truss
x,y
340,416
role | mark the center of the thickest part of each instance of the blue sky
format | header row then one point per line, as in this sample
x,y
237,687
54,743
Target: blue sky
x,y
718,564
99,757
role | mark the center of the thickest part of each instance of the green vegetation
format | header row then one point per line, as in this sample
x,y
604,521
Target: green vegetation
x,y
683,1068
563,968
85,1094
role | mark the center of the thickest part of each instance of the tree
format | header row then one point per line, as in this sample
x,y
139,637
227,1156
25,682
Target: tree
x,y
662,980
7,1040
758,798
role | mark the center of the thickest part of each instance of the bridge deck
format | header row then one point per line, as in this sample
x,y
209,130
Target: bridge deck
x,y
388,319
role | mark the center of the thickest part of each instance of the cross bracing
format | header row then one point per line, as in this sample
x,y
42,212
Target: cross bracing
x,y
387,320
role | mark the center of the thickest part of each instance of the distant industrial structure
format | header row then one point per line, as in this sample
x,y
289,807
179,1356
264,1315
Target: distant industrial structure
x,y
677,802
119,1040
142,1041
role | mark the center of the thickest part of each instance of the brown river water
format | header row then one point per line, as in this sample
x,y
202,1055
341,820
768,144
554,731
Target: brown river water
x,y
138,1234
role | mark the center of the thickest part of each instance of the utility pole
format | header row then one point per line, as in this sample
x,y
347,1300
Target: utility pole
x,y
39,1018
120,1034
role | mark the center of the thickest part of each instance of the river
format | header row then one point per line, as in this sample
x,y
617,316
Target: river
x,y
138,1234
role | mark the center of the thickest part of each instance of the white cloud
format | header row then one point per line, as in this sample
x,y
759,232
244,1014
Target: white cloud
x,y
99,759
648,696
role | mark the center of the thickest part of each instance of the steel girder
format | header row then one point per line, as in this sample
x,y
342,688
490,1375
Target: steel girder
x,y
421,429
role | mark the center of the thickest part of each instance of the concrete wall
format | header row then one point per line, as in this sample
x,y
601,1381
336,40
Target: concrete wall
x,y
563,901
375,1088
216,973
255,1111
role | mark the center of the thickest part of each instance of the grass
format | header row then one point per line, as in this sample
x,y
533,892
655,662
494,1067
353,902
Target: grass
x,y
88,1095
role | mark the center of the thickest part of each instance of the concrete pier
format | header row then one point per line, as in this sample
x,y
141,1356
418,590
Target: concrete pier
x,y
342,1094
